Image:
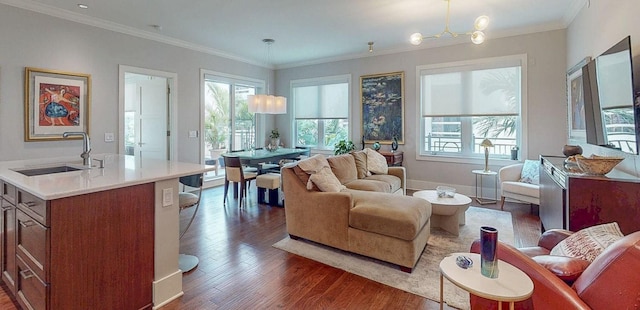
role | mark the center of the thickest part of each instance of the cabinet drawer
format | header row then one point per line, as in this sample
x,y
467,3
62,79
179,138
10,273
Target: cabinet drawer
x,y
8,192
32,205
32,292
32,243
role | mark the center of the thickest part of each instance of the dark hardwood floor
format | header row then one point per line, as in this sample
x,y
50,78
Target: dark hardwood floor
x,y
239,269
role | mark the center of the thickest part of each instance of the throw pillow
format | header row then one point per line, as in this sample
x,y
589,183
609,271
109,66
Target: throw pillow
x,y
361,163
530,172
326,180
376,163
588,243
313,165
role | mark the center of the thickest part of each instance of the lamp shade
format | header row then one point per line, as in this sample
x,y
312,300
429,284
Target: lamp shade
x,y
267,104
486,143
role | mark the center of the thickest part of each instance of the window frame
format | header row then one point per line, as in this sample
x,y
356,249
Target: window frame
x,y
319,81
472,158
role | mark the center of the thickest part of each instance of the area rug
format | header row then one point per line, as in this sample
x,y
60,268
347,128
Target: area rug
x,y
425,278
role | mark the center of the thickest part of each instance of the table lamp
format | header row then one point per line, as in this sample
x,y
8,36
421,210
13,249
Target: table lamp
x,y
486,143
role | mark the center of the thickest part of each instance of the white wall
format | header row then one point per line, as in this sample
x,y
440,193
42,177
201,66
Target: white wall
x,y
594,30
546,52
29,39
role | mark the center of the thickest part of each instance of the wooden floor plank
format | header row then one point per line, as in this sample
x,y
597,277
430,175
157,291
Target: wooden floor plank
x,y
239,268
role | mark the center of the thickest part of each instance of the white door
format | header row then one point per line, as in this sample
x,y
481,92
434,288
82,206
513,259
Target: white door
x,y
146,122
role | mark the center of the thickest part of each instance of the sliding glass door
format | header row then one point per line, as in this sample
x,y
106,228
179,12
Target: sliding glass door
x,y
228,125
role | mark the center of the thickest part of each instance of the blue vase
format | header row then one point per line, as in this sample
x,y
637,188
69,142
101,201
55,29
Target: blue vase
x,y
488,252
376,145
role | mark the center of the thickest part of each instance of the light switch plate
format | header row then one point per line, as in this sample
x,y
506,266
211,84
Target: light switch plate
x,y
167,197
109,137
193,133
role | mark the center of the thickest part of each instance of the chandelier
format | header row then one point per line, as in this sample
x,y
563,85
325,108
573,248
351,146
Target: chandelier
x,y
263,103
477,36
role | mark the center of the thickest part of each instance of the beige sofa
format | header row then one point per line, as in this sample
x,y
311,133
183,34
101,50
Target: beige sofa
x,y
371,216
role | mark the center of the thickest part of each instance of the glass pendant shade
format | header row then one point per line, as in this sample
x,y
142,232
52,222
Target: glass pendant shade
x,y
477,37
481,22
416,38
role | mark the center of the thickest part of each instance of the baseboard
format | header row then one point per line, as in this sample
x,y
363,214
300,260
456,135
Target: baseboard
x,y
167,289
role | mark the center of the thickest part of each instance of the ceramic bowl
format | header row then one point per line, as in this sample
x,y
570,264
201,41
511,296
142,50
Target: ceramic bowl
x,y
445,191
597,165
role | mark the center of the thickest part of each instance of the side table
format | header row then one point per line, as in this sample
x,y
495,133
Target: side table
x,y
511,285
480,174
447,213
393,158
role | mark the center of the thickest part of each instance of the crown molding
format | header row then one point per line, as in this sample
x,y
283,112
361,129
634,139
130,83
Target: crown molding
x,y
575,8
100,23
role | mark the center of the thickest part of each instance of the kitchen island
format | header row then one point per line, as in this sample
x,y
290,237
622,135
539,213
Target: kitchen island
x,y
98,238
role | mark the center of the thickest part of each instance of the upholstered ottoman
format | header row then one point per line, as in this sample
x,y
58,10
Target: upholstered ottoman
x,y
270,181
392,228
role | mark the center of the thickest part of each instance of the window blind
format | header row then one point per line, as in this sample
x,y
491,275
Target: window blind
x,y
480,89
321,100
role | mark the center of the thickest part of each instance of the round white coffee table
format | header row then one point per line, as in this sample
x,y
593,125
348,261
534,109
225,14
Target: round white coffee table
x,y
511,285
446,213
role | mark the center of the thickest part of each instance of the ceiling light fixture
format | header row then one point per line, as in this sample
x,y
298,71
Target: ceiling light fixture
x,y
370,47
477,36
263,103
83,6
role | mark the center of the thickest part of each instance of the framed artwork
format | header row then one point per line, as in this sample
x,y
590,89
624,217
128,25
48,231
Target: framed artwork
x,y
382,98
55,102
575,98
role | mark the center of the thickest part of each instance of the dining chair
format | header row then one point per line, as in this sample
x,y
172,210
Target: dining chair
x,y
246,168
187,200
235,173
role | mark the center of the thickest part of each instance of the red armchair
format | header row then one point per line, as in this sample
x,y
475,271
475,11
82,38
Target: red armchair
x,y
611,281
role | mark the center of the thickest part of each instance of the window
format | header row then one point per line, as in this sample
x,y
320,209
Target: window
x,y
321,111
463,103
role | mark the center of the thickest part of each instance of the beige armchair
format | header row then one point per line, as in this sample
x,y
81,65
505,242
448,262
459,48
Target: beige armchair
x,y
513,186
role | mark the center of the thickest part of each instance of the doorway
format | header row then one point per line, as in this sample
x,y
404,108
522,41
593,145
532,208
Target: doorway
x,y
227,124
146,115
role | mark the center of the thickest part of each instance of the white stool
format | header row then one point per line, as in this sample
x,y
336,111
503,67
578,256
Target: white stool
x,y
270,181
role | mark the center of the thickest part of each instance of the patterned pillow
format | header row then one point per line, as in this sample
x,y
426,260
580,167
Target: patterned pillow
x,y
588,243
530,172
376,163
326,180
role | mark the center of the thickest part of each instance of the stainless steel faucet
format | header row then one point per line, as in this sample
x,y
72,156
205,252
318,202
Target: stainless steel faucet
x,y
86,146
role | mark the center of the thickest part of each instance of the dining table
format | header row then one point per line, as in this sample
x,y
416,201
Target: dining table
x,y
258,157
255,158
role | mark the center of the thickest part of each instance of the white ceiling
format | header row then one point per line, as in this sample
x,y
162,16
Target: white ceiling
x,y
306,31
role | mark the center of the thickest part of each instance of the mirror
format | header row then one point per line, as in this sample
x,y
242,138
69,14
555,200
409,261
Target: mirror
x,y
614,115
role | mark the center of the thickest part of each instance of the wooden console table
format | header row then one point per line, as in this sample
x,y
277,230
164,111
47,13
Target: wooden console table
x,y
393,158
573,201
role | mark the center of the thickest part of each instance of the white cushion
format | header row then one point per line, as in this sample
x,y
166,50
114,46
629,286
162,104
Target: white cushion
x,y
521,188
588,243
186,200
376,163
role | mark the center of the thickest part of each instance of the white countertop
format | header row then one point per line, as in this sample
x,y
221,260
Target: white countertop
x,y
119,171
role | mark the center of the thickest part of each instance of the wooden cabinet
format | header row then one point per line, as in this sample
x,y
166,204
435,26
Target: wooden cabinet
x,y
92,251
8,238
393,158
574,201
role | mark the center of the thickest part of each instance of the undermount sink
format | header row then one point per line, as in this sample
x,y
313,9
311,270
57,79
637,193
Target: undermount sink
x,y
46,170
